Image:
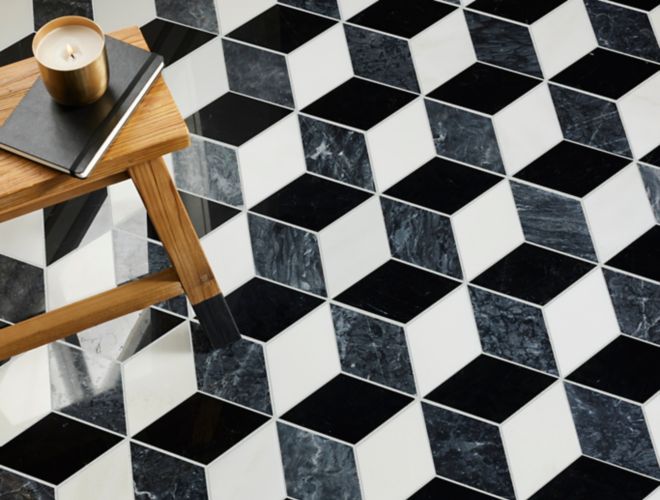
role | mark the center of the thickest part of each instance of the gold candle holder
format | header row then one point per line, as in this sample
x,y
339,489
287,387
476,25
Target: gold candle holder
x,y
70,52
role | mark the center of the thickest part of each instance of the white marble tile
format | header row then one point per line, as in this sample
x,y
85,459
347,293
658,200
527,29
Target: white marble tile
x,y
23,239
639,110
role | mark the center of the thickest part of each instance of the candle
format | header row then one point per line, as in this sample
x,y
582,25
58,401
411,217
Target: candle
x,y
70,53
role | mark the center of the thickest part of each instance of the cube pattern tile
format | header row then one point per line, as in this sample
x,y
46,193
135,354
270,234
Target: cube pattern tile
x,y
436,223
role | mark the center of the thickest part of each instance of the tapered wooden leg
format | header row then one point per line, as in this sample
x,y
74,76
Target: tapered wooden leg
x,y
169,217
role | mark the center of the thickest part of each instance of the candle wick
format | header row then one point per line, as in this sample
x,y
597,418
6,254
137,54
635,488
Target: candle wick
x,y
71,54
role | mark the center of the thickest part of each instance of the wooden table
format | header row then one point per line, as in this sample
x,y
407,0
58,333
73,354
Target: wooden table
x,y
155,128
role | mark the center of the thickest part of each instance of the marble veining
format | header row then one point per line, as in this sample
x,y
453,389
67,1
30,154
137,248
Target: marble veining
x,y
317,468
45,10
421,237
468,451
381,57
196,13
336,152
553,220
325,7
21,289
15,487
612,430
373,349
512,330
286,254
464,136
651,178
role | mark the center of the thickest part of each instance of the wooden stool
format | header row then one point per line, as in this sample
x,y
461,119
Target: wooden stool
x,y
155,128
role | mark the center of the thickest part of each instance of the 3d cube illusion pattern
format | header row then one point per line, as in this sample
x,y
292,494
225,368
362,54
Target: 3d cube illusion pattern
x,y
436,225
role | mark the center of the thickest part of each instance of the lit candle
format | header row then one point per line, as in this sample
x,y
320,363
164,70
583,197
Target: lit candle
x,y
69,47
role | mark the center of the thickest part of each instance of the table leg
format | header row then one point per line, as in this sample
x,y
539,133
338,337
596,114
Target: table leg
x,y
171,221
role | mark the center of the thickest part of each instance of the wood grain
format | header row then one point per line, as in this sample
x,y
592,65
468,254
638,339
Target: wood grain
x,y
154,129
73,318
170,218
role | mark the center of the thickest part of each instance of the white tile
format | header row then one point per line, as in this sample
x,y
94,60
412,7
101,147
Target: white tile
x,y
540,441
527,128
448,41
229,253
652,416
319,66
233,13
271,160
117,14
125,202
353,246
443,340
395,460
23,238
400,144
487,229
256,457
84,272
562,37
302,358
24,392
16,21
158,378
654,18
348,8
581,321
618,212
639,110
95,481
199,78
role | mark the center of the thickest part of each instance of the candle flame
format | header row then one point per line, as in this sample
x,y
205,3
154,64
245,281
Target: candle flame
x,y
70,52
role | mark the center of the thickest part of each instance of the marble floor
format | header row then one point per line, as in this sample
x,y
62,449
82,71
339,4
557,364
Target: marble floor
x,y
436,225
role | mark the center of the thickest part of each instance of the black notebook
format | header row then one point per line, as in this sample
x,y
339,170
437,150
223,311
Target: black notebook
x,y
73,139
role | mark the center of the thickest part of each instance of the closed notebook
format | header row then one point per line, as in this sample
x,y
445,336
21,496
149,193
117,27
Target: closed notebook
x,y
73,139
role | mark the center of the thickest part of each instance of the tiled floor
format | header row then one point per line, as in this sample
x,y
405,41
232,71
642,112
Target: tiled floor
x,y
436,225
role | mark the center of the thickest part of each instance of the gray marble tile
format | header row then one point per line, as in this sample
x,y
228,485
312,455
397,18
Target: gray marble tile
x,y
325,7
381,57
131,254
336,152
464,136
503,43
157,476
467,450
15,487
316,468
196,13
210,170
373,349
637,305
651,178
286,254
236,373
86,386
421,237
22,292
512,330
612,430
590,120
623,29
45,10
553,220
258,73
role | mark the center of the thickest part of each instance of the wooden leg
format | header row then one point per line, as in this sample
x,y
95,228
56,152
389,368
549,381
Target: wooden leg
x,y
169,217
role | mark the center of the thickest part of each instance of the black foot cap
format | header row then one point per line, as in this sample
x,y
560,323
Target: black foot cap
x,y
218,323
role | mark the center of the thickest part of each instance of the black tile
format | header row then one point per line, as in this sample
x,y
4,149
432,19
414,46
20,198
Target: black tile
x,y
22,290
653,157
173,41
589,479
641,256
281,28
45,10
647,5
55,448
484,88
496,389
235,119
206,215
626,367
443,185
359,103
606,73
201,428
523,11
263,309
346,408
17,51
572,168
311,202
532,273
404,18
397,291
439,489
